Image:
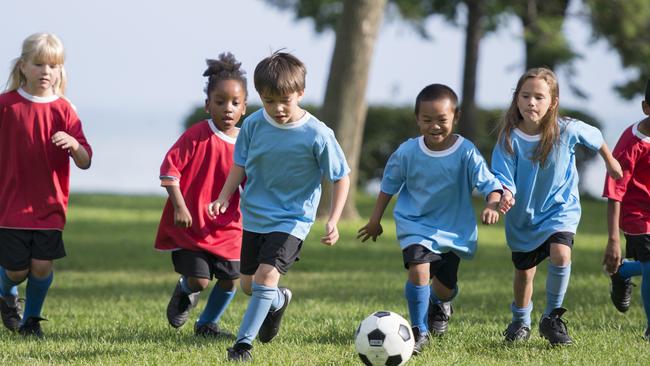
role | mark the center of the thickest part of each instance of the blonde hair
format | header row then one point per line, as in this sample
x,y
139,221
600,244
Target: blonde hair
x,y
45,48
550,130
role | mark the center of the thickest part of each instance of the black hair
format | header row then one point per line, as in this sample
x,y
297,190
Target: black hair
x,y
436,92
226,67
647,91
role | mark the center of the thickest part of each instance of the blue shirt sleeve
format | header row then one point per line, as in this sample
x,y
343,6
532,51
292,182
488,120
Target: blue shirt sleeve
x,y
331,158
585,134
504,167
242,143
394,174
481,177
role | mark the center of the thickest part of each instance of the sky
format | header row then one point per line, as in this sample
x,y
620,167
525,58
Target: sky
x,y
134,70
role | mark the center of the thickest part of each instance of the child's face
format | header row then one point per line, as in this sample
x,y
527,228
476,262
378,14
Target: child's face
x,y
40,78
534,101
283,108
226,104
436,120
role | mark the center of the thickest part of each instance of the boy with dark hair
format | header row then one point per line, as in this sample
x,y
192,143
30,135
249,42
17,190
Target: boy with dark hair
x,y
627,208
283,151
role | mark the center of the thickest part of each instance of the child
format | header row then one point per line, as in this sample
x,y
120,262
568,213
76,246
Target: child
x,y
628,204
39,132
283,151
193,171
434,175
535,160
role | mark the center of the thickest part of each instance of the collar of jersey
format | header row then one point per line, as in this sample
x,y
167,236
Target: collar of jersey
x,y
287,126
640,134
437,154
527,137
35,99
220,134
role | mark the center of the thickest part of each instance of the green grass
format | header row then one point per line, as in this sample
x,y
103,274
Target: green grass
x,y
107,304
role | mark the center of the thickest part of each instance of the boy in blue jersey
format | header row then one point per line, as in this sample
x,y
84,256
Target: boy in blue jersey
x,y
434,175
283,151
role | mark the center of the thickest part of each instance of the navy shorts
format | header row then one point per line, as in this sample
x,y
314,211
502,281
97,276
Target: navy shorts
x,y
18,247
204,265
443,266
276,249
638,247
528,260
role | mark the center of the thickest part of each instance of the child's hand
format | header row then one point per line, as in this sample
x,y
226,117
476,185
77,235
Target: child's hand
x,y
65,141
182,217
612,257
217,207
614,169
490,215
370,230
507,201
332,234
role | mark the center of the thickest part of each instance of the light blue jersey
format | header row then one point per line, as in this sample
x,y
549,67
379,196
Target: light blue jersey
x,y
547,199
434,206
284,165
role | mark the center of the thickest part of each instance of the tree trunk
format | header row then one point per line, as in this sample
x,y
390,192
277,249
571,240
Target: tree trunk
x,y
345,107
474,33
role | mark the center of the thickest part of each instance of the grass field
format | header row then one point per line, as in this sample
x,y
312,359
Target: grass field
x,y
108,300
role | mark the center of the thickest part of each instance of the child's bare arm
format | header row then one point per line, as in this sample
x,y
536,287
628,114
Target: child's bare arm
x,y
373,228
490,214
507,201
235,177
612,255
182,216
340,190
77,151
611,164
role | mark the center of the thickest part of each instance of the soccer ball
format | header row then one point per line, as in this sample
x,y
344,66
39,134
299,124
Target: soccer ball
x,y
384,338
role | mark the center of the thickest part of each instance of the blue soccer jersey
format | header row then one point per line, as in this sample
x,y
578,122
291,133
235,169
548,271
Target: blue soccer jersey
x,y
284,165
547,199
434,206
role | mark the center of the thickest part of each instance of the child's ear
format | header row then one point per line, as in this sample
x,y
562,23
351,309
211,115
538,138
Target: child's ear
x,y
243,109
646,108
457,115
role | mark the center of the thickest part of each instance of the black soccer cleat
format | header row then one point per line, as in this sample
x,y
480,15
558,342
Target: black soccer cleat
x,y
32,327
620,292
421,340
10,312
180,305
516,331
207,330
438,317
553,328
240,352
271,325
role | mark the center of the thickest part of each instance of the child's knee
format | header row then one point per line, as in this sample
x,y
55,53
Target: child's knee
x,y
41,268
560,255
419,273
17,276
228,285
197,284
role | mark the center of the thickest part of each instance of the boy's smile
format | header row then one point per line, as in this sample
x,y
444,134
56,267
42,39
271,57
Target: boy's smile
x,y
436,120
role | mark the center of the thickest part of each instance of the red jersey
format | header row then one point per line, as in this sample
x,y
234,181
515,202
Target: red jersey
x,y
633,190
199,162
34,183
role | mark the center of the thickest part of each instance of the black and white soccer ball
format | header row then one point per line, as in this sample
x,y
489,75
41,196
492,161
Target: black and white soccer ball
x,y
384,338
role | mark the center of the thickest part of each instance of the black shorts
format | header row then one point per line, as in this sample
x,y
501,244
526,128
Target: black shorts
x,y
276,249
528,260
18,247
443,266
204,265
638,247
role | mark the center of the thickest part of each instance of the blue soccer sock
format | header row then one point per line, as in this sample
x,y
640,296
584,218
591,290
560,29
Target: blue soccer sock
x,y
35,295
216,305
645,289
522,315
258,306
279,300
436,300
417,298
557,282
629,268
7,286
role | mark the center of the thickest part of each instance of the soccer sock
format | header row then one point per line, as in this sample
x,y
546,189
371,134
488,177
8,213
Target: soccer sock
x,y
645,289
35,295
8,288
417,298
216,305
436,300
279,300
258,306
557,282
522,315
629,268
